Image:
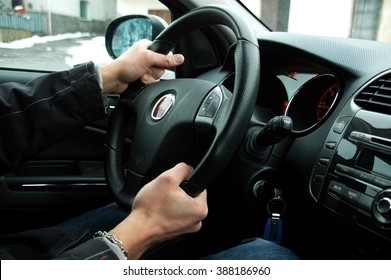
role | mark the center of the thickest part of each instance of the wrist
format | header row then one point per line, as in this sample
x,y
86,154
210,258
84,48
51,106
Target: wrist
x,y
109,82
135,235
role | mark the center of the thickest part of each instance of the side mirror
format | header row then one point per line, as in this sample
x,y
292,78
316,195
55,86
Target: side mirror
x,y
124,31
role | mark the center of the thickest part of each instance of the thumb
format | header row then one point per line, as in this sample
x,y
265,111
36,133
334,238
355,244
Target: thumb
x,y
177,59
168,61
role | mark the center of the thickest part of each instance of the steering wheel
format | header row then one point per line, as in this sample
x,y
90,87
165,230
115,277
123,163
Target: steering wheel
x,y
192,120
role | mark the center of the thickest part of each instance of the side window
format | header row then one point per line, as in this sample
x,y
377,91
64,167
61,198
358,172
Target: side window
x,y
164,14
55,35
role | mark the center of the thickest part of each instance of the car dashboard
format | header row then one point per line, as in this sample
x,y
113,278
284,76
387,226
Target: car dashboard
x,y
338,95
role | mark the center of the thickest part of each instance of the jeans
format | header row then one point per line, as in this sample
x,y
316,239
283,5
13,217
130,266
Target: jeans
x,y
101,219
255,249
107,217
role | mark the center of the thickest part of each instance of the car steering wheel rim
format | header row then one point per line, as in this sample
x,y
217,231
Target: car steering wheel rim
x,y
185,99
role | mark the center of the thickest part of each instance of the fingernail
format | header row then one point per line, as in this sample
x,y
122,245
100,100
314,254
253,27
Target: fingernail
x,y
178,58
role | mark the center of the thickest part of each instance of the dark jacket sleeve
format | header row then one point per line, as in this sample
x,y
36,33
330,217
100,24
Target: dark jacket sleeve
x,y
93,249
57,243
35,115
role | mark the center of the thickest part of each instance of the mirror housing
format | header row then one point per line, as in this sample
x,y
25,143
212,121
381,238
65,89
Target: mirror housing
x,y
124,31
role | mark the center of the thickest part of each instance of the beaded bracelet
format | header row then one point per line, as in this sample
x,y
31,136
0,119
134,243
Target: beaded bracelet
x,y
111,237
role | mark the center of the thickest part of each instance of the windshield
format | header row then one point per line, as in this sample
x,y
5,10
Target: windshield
x,y
361,19
55,35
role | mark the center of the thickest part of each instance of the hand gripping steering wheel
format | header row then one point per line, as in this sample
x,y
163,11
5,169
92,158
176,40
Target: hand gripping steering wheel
x,y
191,120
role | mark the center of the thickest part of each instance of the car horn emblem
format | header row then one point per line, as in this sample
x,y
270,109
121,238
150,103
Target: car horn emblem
x,y
162,106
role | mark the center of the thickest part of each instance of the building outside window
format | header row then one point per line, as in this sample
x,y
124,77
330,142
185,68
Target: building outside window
x,y
366,17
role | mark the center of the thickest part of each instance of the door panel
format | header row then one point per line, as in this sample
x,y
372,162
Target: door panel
x,y
62,181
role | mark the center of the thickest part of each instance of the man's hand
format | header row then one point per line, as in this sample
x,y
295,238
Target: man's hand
x,y
161,211
138,62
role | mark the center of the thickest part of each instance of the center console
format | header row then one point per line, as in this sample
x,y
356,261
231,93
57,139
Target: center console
x,y
353,174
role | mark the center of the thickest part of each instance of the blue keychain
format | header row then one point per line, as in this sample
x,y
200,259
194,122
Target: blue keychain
x,y
274,225
273,229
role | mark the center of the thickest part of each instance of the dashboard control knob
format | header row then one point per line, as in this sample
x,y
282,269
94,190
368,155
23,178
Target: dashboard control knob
x,y
384,205
381,207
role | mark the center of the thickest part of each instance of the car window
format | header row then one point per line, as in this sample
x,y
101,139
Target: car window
x,y
361,19
55,35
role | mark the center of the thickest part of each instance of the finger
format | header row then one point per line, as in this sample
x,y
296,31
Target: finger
x,y
168,61
197,226
148,79
201,199
182,168
177,59
145,42
182,171
155,72
174,176
202,196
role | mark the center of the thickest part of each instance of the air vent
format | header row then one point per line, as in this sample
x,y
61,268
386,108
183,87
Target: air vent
x,y
376,96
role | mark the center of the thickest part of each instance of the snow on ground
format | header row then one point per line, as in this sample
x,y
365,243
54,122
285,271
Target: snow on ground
x,y
88,48
29,42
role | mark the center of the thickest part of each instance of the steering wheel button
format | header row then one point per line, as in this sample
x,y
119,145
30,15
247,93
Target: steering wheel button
x,y
212,109
210,105
203,110
210,98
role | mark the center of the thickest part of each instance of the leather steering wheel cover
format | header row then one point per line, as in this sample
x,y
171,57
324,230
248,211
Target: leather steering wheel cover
x,y
234,124
231,122
114,169
201,17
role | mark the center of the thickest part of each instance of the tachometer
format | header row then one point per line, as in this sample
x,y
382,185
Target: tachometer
x,y
312,101
326,101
